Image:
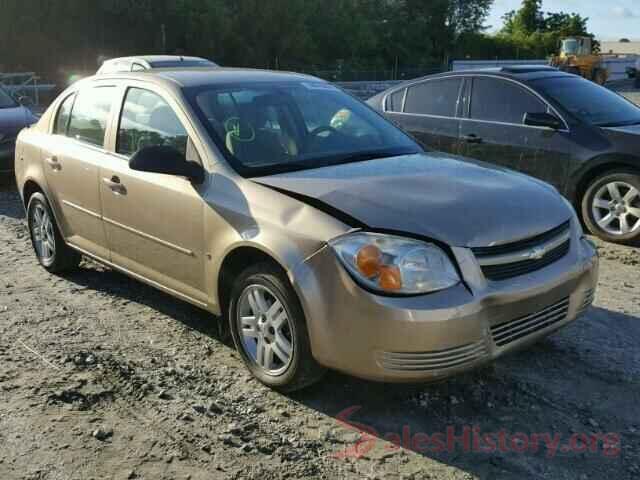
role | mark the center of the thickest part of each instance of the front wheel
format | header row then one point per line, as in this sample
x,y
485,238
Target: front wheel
x,y
611,207
600,76
269,329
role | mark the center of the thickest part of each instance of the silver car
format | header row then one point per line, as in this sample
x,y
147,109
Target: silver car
x,y
320,233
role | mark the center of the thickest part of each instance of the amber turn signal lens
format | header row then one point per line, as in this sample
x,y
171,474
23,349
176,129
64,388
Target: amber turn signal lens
x,y
390,278
368,260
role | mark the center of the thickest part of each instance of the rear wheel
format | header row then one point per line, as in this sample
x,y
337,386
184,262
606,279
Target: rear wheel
x,y
50,248
611,207
269,329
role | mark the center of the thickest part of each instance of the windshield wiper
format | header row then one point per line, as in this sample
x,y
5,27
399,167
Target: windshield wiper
x,y
373,155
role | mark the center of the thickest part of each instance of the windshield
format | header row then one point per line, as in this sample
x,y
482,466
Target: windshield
x,y
589,102
267,128
570,46
6,100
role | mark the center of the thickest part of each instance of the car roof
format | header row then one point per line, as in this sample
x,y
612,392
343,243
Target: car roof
x,y
516,72
204,76
151,59
523,73
124,64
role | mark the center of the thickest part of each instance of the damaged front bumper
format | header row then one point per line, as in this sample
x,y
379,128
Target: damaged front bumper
x,y
433,336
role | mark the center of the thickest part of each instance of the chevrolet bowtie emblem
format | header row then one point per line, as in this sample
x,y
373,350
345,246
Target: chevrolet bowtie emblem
x,y
537,253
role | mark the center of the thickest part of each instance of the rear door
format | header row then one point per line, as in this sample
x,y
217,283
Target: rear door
x,y
154,222
72,160
428,111
494,131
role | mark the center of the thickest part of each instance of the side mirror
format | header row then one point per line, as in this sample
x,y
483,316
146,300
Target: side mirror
x,y
542,120
167,160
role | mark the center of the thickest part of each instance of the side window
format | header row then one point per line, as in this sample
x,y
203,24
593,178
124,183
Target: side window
x,y
394,101
90,114
62,118
502,101
136,67
148,120
434,97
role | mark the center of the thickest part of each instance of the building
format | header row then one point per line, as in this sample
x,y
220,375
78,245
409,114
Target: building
x,y
628,48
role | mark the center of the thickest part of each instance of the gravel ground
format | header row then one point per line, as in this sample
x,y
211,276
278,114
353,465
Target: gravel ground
x,y
103,377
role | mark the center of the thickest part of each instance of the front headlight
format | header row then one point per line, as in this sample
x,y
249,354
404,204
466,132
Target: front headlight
x,y
395,265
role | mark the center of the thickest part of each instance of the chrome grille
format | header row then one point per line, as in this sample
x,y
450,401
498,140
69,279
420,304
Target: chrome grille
x,y
433,360
519,258
507,332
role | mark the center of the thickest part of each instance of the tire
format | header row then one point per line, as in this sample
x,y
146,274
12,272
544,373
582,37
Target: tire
x,y
56,256
612,216
301,369
600,76
573,70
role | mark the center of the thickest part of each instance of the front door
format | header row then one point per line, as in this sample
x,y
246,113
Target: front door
x,y
494,132
154,222
72,160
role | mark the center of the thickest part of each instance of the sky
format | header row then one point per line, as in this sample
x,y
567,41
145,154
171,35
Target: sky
x,y
608,19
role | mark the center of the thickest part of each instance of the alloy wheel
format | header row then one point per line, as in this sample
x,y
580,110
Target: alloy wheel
x,y
44,239
265,329
616,208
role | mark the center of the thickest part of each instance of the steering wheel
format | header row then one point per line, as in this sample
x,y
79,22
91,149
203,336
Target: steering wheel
x,y
323,128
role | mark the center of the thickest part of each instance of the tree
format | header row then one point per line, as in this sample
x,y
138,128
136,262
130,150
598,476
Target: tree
x,y
68,37
527,20
468,17
536,33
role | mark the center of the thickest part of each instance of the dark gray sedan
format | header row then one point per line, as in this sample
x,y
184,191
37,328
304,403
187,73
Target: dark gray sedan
x,y
13,118
580,137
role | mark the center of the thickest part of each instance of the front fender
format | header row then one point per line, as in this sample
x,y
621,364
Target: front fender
x,y
594,167
241,213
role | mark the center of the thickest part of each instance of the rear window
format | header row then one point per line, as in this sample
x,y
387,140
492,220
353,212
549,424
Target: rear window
x,y
90,114
182,63
502,101
64,113
394,101
434,97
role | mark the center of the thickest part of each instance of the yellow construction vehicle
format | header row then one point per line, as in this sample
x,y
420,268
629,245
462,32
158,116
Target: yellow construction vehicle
x,y
577,56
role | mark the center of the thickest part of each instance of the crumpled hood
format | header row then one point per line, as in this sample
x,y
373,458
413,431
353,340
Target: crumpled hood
x,y
433,195
15,118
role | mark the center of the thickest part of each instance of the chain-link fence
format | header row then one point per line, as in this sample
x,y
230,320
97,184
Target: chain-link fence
x,y
29,89
346,74
40,90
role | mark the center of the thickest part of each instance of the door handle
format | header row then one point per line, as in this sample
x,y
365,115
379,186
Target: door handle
x,y
472,138
53,163
114,184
